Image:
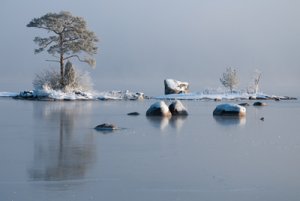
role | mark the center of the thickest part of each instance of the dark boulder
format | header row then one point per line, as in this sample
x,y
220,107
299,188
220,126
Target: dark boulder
x,y
158,109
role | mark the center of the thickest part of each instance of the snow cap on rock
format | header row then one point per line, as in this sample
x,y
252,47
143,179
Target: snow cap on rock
x,y
230,110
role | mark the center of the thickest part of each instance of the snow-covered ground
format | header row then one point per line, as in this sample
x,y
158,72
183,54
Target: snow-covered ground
x,y
218,96
127,95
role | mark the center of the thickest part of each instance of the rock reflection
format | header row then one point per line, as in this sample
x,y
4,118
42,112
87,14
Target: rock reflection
x,y
163,122
61,152
159,122
230,120
177,122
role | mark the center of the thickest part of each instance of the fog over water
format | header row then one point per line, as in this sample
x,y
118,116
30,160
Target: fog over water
x,y
50,151
144,42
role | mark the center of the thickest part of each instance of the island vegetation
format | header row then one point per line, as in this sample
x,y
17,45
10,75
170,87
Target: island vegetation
x,y
68,38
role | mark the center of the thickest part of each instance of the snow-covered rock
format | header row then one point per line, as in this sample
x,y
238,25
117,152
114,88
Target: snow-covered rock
x,y
158,109
175,87
177,108
229,110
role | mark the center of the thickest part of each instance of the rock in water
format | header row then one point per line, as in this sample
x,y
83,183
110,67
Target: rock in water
x,y
259,104
159,109
230,110
133,114
244,104
177,108
106,127
175,86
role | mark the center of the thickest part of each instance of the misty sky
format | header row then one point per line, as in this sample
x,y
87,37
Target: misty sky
x,y
143,42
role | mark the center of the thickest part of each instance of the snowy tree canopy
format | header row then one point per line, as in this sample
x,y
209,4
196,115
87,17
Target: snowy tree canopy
x,y
70,38
230,79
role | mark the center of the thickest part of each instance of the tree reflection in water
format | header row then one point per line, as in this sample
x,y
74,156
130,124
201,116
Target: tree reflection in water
x,y
63,149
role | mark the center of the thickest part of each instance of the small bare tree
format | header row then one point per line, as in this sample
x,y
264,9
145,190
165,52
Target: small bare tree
x,y
254,86
257,77
70,38
230,79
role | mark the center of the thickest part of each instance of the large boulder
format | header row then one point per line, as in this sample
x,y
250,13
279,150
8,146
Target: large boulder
x,y
159,109
177,108
175,86
229,110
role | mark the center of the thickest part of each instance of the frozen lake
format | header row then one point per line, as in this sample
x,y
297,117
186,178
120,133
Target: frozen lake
x,y
50,151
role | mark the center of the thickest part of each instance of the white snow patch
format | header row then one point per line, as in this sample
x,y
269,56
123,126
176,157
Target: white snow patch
x,y
217,96
8,94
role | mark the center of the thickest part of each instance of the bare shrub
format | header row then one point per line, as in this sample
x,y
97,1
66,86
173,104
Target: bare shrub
x,y
230,79
74,80
47,79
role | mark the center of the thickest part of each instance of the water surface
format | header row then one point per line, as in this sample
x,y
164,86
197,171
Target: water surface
x,y
50,151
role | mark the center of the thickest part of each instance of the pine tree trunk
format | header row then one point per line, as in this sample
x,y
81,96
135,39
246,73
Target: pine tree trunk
x,y
62,70
61,61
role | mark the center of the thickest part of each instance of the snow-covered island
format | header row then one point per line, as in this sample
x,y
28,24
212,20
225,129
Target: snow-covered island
x,y
58,95
179,89
53,95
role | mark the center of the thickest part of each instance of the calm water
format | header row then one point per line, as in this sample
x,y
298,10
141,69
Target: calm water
x,y
50,151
